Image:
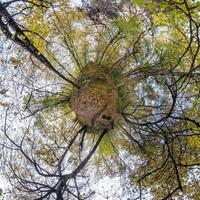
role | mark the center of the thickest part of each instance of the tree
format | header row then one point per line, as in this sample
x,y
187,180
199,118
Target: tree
x,y
110,88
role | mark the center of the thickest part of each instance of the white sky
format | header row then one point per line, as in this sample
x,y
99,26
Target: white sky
x,y
76,2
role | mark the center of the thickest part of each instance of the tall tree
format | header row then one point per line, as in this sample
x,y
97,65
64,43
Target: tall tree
x,y
108,88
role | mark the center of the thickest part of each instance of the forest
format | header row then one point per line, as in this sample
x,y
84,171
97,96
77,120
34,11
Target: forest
x,y
99,99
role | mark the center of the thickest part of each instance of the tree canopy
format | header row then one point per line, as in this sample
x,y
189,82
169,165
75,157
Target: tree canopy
x,y
98,93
